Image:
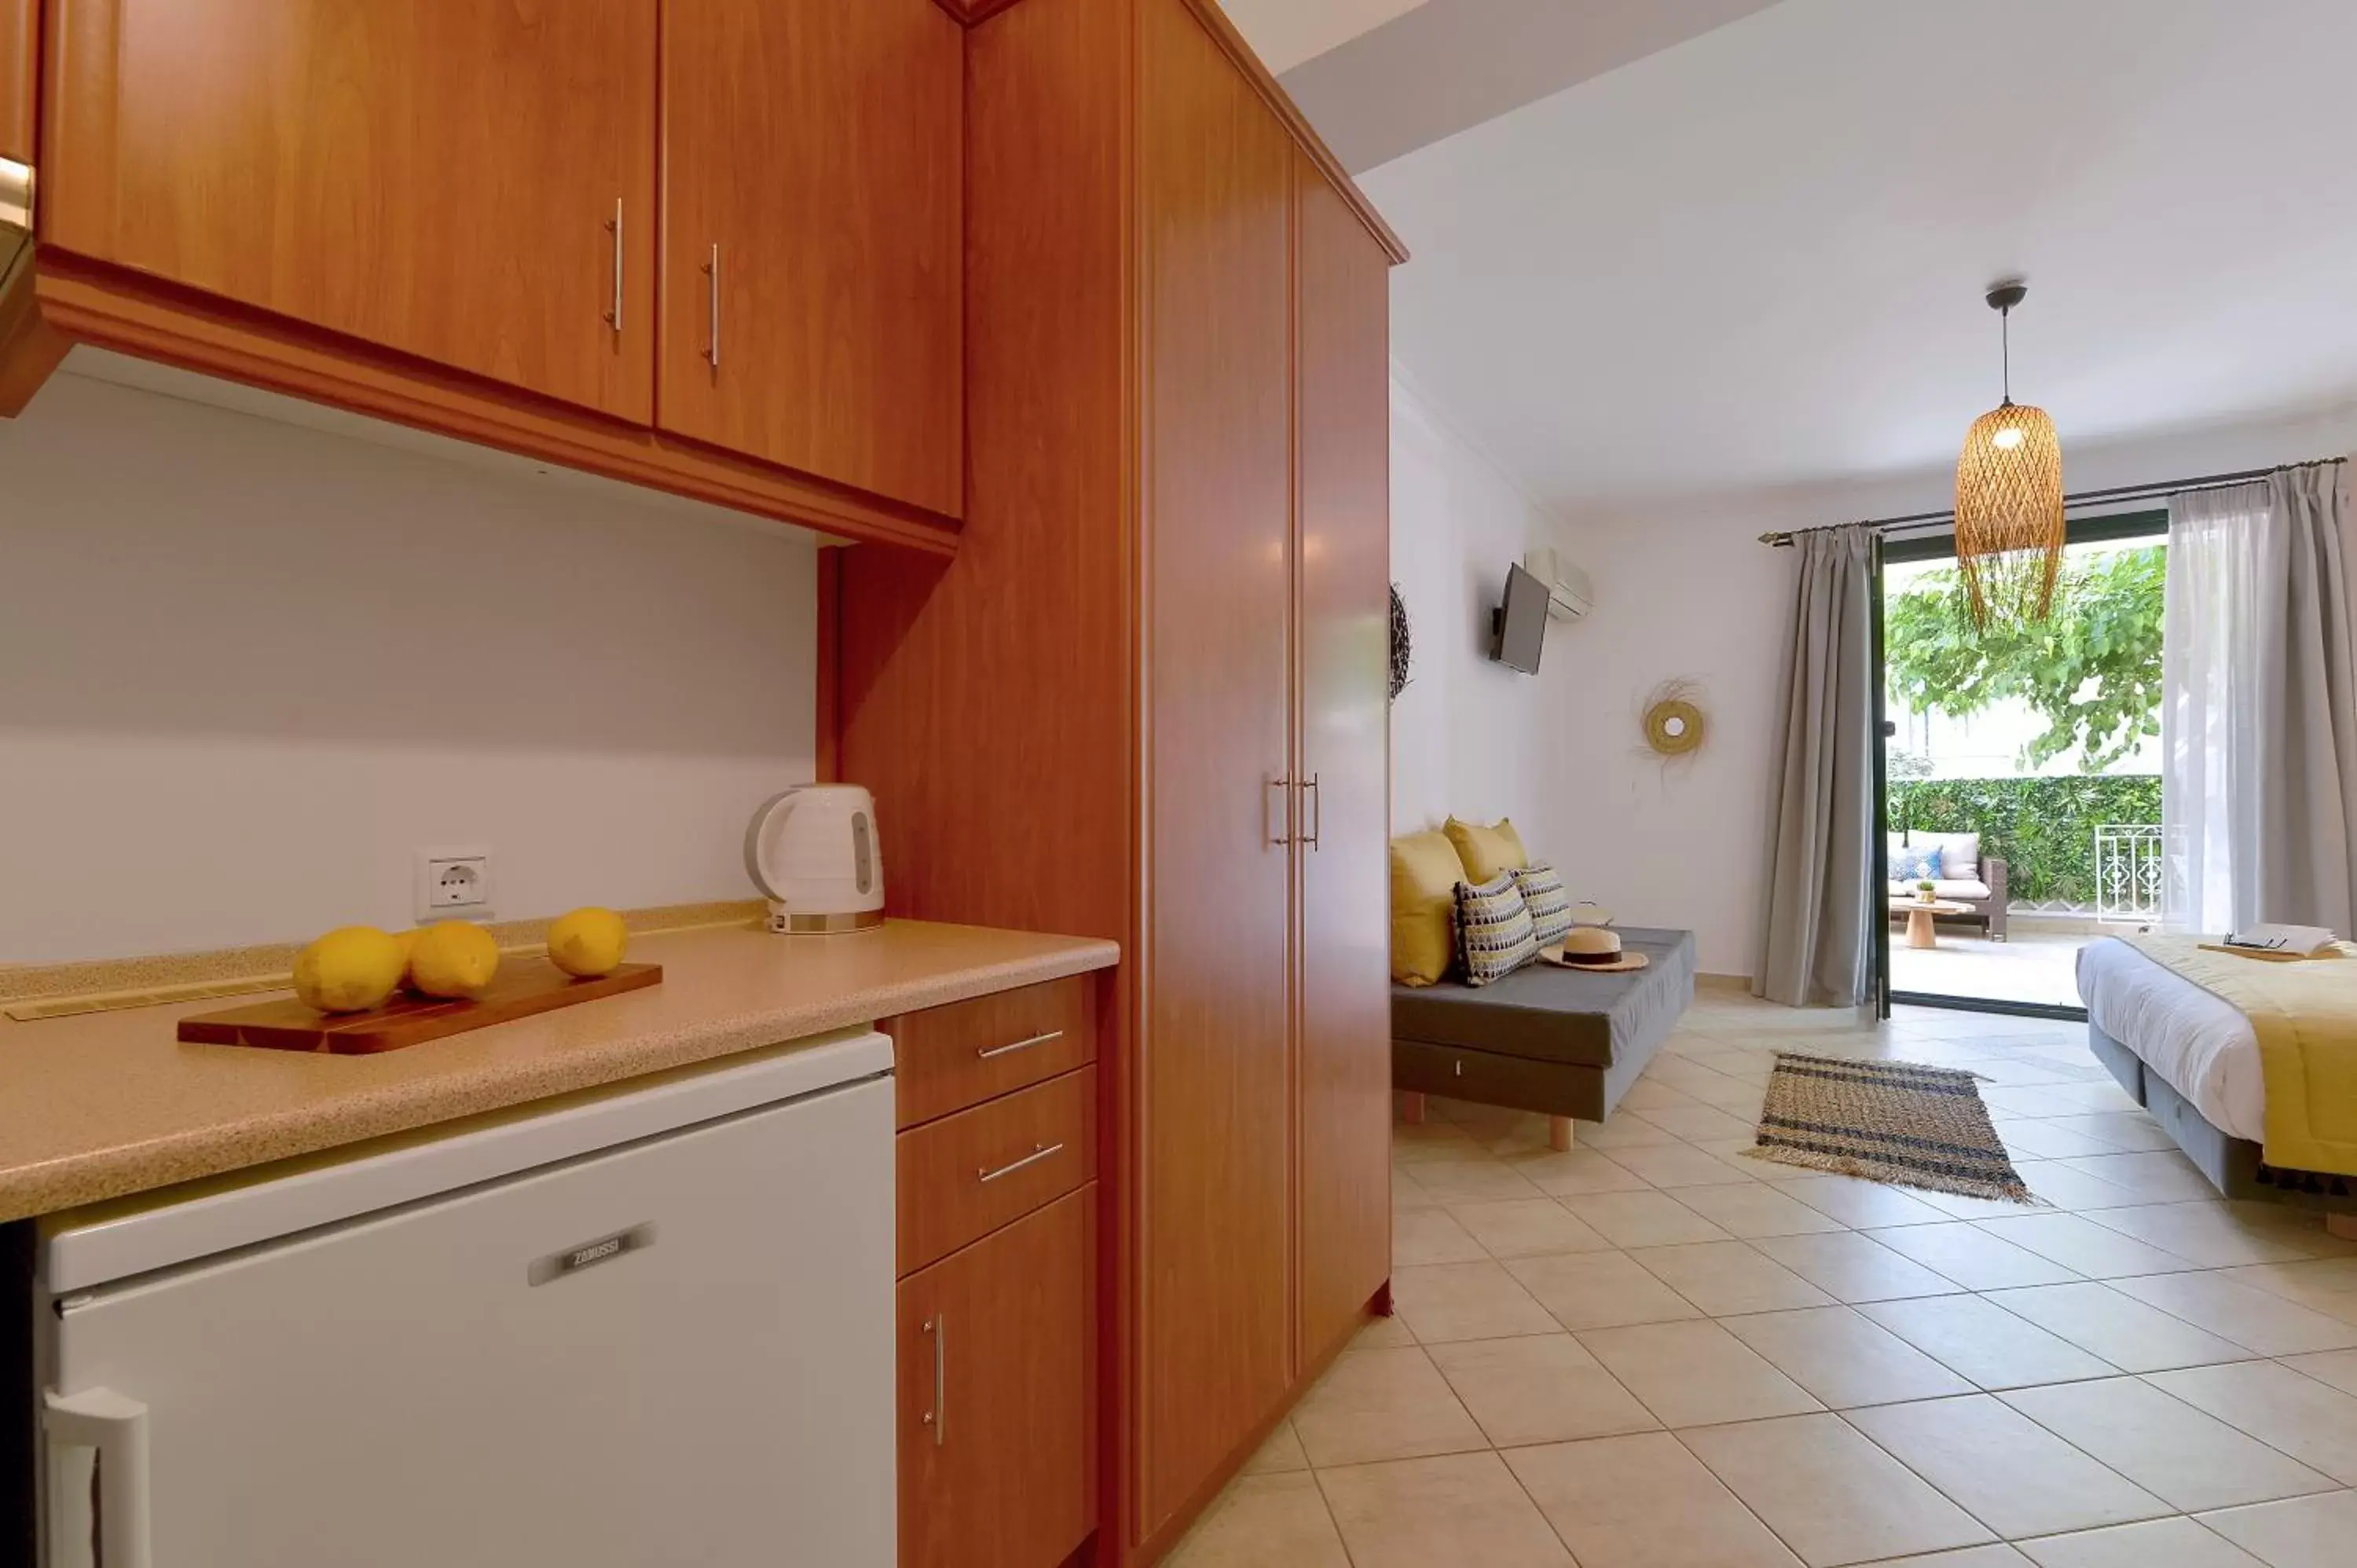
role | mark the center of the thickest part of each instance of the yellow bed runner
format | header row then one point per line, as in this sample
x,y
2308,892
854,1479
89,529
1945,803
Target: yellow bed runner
x,y
2304,1015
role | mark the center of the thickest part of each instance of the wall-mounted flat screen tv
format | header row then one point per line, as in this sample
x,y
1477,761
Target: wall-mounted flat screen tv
x,y
1519,626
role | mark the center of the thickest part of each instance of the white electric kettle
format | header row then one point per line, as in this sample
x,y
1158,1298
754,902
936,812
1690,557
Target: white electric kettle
x,y
812,851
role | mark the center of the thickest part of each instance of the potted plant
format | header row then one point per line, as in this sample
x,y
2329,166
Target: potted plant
x,y
1926,892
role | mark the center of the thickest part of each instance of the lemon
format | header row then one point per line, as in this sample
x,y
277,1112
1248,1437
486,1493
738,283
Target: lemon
x,y
587,942
453,958
350,969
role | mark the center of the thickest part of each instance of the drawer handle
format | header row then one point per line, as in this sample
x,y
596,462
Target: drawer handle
x,y
1038,1151
614,316
937,1418
990,1052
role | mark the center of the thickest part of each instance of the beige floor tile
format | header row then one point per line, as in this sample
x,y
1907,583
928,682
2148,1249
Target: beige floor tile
x,y
1969,1557
2304,1532
1854,1266
1282,1451
2067,1188
1466,1510
1755,1208
1651,1094
1527,1228
1382,1404
1561,1175
1844,1359
1740,1097
1856,1202
1690,1374
1643,1219
2268,1324
2155,1543
1831,1494
1677,1165
2005,1469
1644,1502
2034,1140
1545,1389
2161,1176
1697,1121
1599,1289
2082,1244
1986,1344
1972,1257
2338,1368
1266,1521
2126,1131
1484,1180
1432,1236
1624,1130
2325,1284
1960,1206
1724,1277
1406,1193
2188,1460
1381,1334
2214,1235
1465,1301
2123,1330
2313,1423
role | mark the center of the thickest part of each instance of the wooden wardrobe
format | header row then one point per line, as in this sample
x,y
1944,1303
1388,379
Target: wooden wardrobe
x,y
1146,699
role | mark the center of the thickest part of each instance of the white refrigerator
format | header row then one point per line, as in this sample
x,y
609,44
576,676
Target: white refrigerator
x,y
648,1329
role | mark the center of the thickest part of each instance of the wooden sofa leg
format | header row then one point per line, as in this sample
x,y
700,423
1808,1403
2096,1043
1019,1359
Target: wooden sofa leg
x,y
1559,1132
1412,1108
2341,1225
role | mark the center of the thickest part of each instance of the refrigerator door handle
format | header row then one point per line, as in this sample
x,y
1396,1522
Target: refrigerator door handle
x,y
116,1426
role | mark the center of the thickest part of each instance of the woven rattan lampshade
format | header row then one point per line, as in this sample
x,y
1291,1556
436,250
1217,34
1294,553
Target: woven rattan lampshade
x,y
2010,503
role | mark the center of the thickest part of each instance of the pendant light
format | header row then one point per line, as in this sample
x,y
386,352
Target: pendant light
x,y
2010,497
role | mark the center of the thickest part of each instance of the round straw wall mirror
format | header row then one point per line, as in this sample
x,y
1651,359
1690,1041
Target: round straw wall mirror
x,y
1674,728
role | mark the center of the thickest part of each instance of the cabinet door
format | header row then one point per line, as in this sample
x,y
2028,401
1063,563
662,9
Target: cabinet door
x,y
1343,459
812,149
1215,1143
998,1396
442,179
20,31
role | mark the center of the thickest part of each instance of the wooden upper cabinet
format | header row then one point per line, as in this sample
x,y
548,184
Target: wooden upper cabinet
x,y
20,31
442,179
1342,436
812,149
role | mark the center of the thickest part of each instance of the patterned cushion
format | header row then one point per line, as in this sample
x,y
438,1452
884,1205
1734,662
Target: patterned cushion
x,y
1913,862
1493,929
1549,905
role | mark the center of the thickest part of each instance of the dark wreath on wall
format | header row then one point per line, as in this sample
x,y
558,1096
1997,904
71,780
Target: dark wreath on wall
x,y
1401,643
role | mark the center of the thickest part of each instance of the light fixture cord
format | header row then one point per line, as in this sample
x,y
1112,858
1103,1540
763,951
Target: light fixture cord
x,y
2005,351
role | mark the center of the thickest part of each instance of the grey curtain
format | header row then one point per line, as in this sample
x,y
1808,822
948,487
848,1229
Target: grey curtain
x,y
1817,941
2307,809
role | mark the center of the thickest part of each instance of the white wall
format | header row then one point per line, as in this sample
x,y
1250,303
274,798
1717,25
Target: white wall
x,y
1468,735
247,668
1685,588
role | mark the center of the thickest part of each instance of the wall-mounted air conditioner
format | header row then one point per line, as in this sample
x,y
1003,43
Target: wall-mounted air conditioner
x,y
1570,593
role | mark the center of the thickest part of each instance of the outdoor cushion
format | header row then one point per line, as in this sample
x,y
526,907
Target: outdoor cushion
x,y
1944,888
1913,863
1960,853
1544,1012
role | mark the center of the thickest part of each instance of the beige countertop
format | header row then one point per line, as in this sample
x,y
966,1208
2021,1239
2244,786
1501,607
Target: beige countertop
x,y
106,1104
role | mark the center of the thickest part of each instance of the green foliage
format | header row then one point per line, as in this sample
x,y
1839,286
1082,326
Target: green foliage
x,y
2092,671
2044,829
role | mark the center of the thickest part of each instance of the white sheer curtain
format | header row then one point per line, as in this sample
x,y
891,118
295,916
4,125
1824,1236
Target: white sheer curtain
x,y
2218,541
2258,726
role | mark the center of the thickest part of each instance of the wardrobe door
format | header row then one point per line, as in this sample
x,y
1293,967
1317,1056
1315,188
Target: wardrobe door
x,y
1344,451
1213,1139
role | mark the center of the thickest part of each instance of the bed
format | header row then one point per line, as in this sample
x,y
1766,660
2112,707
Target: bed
x,y
2192,1060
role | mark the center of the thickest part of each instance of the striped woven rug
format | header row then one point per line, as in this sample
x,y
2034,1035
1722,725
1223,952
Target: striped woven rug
x,y
1890,1122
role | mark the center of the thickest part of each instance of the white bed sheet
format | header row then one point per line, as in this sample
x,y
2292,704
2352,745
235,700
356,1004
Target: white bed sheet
x,y
2201,1044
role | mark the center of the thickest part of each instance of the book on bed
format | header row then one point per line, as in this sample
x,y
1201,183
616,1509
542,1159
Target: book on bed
x,y
2283,941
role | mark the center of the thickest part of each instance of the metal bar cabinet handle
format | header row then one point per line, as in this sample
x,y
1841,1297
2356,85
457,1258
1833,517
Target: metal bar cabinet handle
x,y
614,316
1038,1151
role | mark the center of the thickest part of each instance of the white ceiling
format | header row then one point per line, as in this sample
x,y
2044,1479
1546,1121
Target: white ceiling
x,y
1755,258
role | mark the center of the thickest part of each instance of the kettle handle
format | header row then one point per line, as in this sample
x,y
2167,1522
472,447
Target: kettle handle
x,y
772,815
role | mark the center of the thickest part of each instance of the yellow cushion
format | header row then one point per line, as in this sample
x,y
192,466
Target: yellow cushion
x,y
1425,874
1485,852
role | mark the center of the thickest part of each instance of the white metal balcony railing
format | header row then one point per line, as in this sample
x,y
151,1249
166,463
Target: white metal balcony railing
x,y
2129,871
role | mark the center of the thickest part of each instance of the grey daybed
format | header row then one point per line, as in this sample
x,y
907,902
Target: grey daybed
x,y
1558,1041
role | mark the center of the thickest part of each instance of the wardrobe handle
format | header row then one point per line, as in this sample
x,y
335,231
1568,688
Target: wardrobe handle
x,y
938,1326
1312,794
1283,788
614,316
712,303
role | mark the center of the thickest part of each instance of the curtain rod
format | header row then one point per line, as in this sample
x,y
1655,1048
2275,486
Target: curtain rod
x,y
1781,540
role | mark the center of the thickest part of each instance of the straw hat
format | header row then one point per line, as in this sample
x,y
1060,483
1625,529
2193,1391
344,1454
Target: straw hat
x,y
1595,948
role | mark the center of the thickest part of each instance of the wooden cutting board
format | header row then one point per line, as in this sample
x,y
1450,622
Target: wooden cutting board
x,y
523,986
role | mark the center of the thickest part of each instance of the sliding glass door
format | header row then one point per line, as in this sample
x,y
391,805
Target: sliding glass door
x,y
2019,776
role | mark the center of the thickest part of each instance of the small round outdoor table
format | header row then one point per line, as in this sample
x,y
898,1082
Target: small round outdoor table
x,y
1920,915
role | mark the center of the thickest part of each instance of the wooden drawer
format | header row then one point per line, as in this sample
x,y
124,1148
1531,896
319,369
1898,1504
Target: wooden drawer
x,y
947,1059
966,1175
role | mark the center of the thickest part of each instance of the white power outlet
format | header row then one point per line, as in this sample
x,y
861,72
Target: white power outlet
x,y
454,882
